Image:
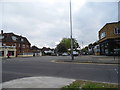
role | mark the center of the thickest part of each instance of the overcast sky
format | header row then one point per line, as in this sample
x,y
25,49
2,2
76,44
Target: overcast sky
x,y
46,22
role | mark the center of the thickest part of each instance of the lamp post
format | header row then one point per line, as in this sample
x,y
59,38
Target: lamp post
x,y
71,32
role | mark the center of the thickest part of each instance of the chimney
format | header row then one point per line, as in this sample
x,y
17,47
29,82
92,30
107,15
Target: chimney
x,y
2,32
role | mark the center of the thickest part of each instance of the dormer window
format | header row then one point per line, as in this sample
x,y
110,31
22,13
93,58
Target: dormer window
x,y
14,38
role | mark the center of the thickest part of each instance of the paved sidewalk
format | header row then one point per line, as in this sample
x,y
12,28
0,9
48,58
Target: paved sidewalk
x,y
38,82
93,59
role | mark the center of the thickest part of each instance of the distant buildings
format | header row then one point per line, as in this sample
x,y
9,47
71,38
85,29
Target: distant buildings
x,y
47,51
109,39
108,44
36,51
13,44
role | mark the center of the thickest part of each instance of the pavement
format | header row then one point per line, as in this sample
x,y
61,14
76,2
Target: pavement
x,y
91,59
38,82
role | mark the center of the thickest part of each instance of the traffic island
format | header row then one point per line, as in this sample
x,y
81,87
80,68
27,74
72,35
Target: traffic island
x,y
86,62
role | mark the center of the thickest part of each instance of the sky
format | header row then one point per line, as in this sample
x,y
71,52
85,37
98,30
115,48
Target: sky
x,y
46,22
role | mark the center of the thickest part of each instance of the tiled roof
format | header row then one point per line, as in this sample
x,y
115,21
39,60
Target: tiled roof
x,y
118,23
8,37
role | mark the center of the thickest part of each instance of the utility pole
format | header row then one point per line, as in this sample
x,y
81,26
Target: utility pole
x,y
71,32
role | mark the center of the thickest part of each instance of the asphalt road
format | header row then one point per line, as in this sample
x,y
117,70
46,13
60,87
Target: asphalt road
x,y
42,66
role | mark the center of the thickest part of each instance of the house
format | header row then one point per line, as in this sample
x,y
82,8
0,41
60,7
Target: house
x,y
109,39
36,51
47,51
17,43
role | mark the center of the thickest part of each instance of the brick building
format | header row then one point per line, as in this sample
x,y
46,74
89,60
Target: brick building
x,y
12,40
109,39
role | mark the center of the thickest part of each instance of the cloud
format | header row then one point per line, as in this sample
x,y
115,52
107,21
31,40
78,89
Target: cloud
x,y
91,18
45,22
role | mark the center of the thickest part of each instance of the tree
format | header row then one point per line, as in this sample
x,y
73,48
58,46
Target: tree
x,y
67,42
85,50
90,46
61,48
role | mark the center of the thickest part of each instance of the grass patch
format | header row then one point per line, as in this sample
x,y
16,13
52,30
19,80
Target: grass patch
x,y
89,85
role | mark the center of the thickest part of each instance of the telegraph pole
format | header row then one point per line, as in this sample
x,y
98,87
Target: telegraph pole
x,y
72,57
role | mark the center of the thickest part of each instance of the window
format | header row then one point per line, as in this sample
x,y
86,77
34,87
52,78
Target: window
x,y
19,45
22,39
102,35
27,46
23,46
0,43
1,37
117,30
4,44
11,53
1,53
14,38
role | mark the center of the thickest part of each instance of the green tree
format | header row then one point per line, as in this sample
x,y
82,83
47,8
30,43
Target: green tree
x,y
67,42
61,48
85,50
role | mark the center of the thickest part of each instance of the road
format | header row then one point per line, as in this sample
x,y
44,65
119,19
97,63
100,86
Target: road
x,y
15,68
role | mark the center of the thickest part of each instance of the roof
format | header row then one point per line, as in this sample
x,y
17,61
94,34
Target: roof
x,y
8,37
46,49
109,24
114,22
35,48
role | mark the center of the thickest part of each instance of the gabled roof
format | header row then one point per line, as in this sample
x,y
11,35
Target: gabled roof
x,y
109,24
46,49
8,38
113,23
35,48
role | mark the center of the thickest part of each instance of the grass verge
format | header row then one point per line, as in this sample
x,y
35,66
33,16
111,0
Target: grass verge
x,y
89,85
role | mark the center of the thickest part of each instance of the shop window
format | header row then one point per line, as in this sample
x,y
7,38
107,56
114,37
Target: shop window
x,y
1,37
1,53
117,30
11,53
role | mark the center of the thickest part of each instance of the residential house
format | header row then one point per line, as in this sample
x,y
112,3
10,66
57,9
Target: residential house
x,y
36,51
47,51
20,43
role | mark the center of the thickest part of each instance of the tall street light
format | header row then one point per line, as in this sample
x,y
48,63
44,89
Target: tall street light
x,y
71,32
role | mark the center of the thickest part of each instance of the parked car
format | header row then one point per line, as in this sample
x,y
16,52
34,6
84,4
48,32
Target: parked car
x,y
75,53
65,54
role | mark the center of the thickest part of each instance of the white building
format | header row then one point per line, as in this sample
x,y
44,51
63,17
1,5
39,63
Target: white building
x,y
4,50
